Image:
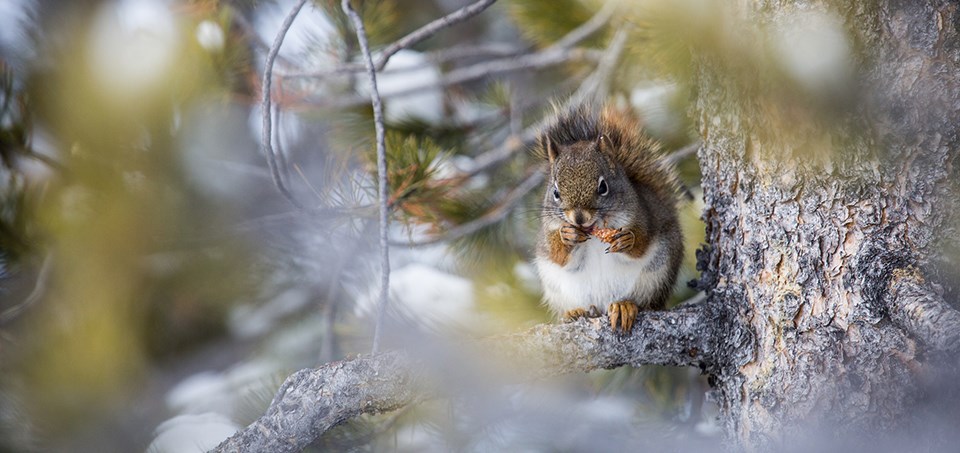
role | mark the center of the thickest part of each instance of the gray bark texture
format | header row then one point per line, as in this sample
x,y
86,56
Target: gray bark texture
x,y
822,231
312,401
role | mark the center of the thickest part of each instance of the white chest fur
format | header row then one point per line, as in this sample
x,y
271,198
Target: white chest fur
x,y
593,277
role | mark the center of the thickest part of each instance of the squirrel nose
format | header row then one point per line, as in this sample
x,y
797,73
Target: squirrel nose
x,y
579,217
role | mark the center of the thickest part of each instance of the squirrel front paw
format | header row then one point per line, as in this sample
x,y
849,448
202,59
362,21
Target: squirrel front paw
x,y
577,313
621,241
623,314
571,235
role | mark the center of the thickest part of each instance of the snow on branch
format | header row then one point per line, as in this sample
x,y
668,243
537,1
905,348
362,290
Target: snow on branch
x,y
914,305
311,401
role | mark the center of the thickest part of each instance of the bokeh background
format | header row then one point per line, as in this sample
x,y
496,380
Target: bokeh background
x,y
156,287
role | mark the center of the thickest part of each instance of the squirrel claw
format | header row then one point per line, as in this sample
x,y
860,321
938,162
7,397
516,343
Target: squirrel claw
x,y
623,314
571,235
622,241
577,313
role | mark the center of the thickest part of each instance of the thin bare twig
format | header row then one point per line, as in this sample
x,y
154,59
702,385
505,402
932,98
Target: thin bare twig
x,y
498,213
597,84
410,39
306,181
682,153
279,148
516,143
487,68
250,31
266,135
432,28
381,168
557,53
437,57
587,28
475,51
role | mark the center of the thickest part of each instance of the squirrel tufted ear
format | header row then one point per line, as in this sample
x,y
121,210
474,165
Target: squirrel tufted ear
x,y
551,148
602,142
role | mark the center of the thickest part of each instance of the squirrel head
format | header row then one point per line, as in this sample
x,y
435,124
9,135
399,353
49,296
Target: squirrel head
x,y
586,187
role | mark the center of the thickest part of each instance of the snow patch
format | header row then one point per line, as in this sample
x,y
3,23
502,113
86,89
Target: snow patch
x,y
408,69
211,391
192,433
15,22
652,102
426,295
133,45
309,28
814,50
210,36
249,321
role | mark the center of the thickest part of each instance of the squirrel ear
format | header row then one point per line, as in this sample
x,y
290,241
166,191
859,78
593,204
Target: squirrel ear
x,y
602,142
552,151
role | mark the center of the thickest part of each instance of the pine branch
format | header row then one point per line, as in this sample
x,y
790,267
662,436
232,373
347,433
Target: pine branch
x,y
311,401
497,214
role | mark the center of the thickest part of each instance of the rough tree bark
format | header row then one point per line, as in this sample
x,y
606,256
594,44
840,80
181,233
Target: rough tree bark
x,y
820,236
822,308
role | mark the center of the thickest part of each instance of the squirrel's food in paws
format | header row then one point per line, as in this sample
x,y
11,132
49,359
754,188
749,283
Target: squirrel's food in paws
x,y
605,234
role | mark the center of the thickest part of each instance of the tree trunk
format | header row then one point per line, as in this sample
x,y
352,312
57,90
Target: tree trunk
x,y
821,232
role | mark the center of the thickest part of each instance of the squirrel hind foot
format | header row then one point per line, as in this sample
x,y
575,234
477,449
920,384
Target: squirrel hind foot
x,y
622,315
577,313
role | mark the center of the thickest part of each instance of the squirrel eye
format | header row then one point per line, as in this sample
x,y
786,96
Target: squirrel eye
x,y
602,188
556,194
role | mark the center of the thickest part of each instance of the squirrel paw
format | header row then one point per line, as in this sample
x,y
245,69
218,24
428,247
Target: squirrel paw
x,y
623,314
577,313
621,241
571,235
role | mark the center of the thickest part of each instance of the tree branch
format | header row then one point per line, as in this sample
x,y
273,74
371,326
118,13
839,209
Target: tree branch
x,y
498,213
382,195
266,135
917,308
311,401
432,28
584,30
480,70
